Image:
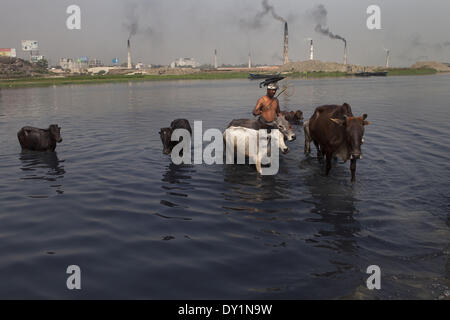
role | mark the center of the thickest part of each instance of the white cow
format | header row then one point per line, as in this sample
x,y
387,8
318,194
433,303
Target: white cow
x,y
256,145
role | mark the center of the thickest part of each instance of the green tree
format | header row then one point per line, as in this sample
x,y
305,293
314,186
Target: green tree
x,y
43,63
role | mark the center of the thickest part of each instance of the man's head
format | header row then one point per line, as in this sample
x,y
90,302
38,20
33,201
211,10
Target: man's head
x,y
271,89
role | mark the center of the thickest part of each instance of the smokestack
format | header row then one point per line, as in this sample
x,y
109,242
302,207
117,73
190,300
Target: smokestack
x,y
286,49
129,55
249,61
345,53
311,51
215,58
387,58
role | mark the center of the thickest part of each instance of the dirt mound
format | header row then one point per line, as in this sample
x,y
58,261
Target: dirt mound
x,y
156,71
319,66
15,67
438,66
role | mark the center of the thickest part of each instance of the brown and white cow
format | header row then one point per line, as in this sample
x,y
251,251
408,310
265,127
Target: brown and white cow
x,y
336,133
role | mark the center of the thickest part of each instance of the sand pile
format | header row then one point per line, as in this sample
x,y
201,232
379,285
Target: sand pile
x,y
319,66
15,67
438,66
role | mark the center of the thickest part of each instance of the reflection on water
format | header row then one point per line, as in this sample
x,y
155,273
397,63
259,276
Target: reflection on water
x,y
337,229
177,174
177,185
43,166
246,184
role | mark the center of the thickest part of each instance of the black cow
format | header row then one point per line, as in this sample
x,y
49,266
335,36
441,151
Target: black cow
x,y
166,134
36,139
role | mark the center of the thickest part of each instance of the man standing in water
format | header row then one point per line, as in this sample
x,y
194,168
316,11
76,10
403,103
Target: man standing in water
x,y
268,107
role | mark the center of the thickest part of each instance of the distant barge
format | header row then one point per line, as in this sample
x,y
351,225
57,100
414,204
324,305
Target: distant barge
x,y
372,74
254,76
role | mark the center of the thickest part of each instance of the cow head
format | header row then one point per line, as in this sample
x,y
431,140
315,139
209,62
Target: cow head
x,y
298,115
354,132
283,147
285,128
166,135
55,133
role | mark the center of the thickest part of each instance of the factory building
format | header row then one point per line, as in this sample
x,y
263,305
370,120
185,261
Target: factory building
x,y
78,66
185,63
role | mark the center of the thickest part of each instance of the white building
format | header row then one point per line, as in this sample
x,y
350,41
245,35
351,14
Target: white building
x,y
74,66
66,63
95,63
185,62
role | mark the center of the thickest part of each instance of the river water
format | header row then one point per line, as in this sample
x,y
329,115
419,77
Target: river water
x,y
139,226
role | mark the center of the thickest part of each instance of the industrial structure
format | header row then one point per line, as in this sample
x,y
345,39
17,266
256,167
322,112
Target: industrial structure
x,y
387,57
311,50
129,65
345,53
185,63
286,44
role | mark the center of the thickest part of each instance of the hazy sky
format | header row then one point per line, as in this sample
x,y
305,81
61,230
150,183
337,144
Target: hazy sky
x,y
412,29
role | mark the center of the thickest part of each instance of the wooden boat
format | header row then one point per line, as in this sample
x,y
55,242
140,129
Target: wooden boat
x,y
372,74
254,76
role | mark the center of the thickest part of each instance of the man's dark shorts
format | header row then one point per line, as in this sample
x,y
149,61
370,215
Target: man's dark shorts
x,y
266,124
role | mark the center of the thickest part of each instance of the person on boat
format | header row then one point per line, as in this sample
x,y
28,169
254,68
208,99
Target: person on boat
x,y
268,107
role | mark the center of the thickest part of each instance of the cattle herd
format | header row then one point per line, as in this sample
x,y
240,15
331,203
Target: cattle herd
x,y
333,129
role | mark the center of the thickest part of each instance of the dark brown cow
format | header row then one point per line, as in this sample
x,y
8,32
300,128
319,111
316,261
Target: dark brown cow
x,y
166,134
336,133
293,117
36,139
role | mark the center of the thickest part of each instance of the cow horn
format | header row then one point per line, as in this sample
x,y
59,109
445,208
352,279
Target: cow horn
x,y
338,121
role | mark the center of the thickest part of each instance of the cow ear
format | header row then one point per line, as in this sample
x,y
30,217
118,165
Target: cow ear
x,y
366,123
339,122
364,116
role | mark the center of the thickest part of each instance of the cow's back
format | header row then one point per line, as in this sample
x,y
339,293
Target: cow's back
x,y
247,123
181,124
332,111
34,139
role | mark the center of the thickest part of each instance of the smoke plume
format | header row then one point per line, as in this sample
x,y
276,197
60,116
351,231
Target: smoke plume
x,y
132,20
319,14
268,8
256,22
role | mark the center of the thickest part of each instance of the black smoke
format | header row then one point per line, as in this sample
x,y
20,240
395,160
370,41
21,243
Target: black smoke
x,y
257,21
268,8
319,15
133,23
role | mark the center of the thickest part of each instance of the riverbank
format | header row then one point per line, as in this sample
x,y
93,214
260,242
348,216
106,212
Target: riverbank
x,y
96,79
390,72
209,75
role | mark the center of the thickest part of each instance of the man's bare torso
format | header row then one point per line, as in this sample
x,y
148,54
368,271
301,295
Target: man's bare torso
x,y
268,108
